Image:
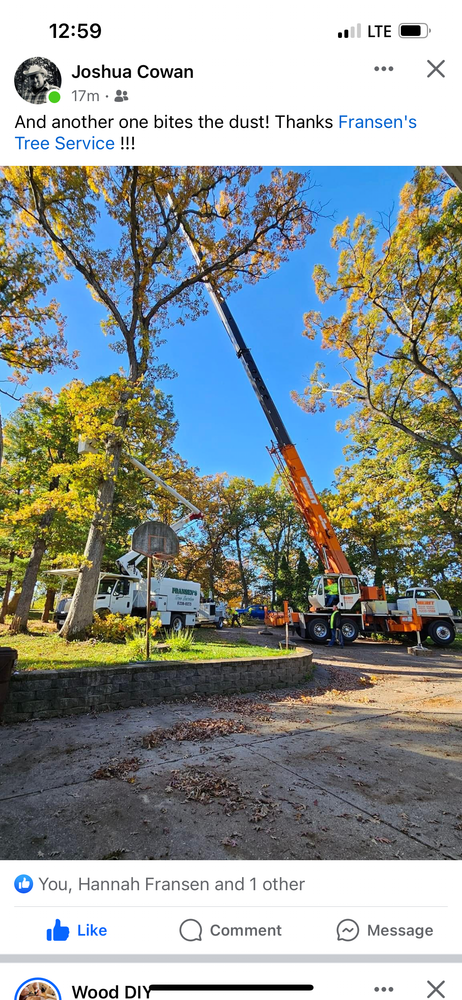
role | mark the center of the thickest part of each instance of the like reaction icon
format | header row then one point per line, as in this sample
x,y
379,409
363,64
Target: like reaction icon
x,y
23,883
58,933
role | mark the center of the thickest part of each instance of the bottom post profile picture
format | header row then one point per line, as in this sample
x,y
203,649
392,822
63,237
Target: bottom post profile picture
x,y
39,987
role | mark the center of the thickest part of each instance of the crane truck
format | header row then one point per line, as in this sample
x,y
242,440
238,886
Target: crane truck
x,y
365,609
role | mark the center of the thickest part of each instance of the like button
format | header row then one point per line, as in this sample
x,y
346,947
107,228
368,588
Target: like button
x,y
58,932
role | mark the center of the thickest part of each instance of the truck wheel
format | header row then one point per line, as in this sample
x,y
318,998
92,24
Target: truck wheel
x,y
219,623
350,630
442,632
318,630
176,623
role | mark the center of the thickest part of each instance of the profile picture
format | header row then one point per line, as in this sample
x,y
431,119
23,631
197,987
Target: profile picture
x,y
34,79
37,988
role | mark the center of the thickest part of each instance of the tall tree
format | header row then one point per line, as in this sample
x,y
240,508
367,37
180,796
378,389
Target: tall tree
x,y
245,230
397,510
49,490
39,448
241,514
278,533
31,327
399,337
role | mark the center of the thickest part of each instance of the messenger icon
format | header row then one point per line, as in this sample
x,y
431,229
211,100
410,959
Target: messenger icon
x,y
347,930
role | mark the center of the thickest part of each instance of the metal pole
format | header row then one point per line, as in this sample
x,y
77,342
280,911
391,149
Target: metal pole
x,y
148,607
286,621
160,482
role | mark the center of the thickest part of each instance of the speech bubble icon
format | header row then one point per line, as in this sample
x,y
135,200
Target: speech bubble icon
x,y
191,930
347,930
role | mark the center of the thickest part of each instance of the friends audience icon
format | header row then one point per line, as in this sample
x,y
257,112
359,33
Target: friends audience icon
x,y
121,95
35,79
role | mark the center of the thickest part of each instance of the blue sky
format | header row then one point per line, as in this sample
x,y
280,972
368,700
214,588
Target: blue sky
x,y
222,428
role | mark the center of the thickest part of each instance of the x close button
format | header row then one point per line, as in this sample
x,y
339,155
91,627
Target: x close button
x,y
436,69
436,990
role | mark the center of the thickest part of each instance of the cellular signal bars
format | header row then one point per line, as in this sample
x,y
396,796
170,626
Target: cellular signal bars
x,y
351,32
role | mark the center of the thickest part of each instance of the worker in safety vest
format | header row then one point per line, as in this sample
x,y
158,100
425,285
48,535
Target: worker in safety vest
x,y
331,590
234,617
336,627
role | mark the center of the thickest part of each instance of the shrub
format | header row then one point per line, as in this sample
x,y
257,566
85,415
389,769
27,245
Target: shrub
x,y
154,627
115,628
180,641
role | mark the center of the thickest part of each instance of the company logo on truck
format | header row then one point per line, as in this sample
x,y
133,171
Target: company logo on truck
x,y
183,590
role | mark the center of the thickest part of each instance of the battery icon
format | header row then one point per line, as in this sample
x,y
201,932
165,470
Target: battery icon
x,y
413,30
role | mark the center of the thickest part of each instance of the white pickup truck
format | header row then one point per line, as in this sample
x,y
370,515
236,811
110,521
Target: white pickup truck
x,y
176,602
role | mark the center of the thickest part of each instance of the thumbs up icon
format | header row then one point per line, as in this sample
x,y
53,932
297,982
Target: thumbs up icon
x,y
23,883
58,932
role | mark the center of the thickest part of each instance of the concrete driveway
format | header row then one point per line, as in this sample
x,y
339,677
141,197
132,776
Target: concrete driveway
x,y
365,762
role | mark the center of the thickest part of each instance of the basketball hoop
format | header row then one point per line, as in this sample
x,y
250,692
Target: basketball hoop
x,y
156,540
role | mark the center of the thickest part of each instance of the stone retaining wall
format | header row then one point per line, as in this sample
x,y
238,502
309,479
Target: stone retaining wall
x,y
42,694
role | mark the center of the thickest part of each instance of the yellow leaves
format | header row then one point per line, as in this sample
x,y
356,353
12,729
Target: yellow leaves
x,y
340,232
223,204
312,322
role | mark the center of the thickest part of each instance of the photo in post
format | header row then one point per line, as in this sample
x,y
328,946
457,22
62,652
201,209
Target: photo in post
x,y
230,605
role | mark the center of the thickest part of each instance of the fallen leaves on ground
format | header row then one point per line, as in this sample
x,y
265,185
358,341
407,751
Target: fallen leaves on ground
x,y
203,786
244,706
117,769
200,729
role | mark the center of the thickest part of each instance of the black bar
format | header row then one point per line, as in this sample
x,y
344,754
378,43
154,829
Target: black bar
x,y
346,33
243,352
410,31
240,986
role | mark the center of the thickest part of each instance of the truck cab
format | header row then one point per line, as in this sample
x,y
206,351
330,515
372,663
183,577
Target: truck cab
x,y
333,588
116,594
426,601
438,622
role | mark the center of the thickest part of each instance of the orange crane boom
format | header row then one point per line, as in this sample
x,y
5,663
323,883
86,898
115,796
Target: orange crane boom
x,y
283,452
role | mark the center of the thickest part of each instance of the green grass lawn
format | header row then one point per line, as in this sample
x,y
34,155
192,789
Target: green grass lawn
x,y
43,649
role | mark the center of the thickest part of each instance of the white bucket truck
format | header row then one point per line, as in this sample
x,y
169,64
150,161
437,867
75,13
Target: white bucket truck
x,y
176,602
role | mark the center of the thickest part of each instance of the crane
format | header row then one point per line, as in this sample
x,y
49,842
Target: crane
x,y
283,450
421,611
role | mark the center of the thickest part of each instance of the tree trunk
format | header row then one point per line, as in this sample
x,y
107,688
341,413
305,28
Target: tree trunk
x,y
245,589
19,623
49,604
274,582
378,573
6,595
13,603
80,615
